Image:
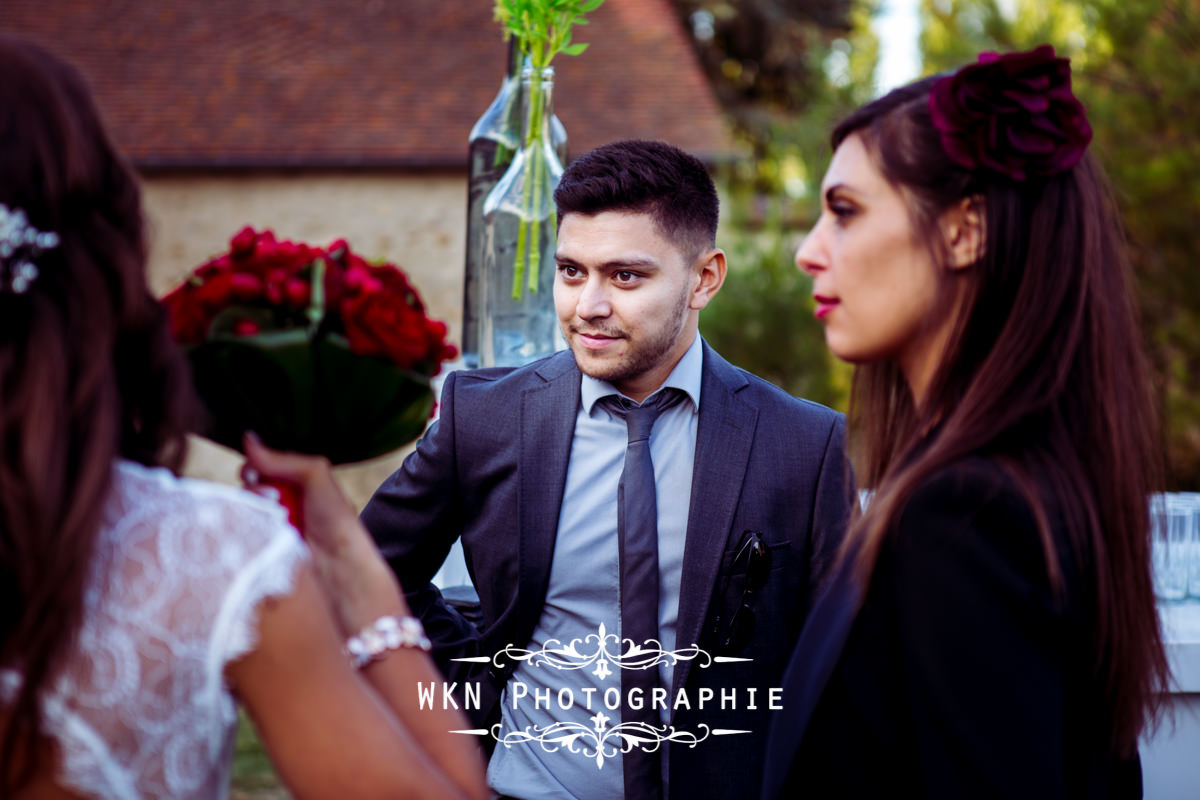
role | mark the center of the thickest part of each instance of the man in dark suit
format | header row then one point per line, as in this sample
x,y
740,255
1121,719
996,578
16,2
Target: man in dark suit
x,y
530,466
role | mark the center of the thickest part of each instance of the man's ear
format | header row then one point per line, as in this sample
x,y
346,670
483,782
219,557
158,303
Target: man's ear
x,y
965,229
710,270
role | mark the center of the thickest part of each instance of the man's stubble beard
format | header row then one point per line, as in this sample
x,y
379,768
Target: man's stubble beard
x,y
647,356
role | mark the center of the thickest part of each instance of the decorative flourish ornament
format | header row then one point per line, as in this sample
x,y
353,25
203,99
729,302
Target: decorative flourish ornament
x,y
1013,114
600,742
603,650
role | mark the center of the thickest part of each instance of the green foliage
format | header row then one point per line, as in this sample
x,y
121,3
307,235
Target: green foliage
x,y
762,319
309,394
956,31
542,28
786,71
252,769
1136,66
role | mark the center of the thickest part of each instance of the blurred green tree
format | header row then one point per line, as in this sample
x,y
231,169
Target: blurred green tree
x,y
762,319
785,71
1136,66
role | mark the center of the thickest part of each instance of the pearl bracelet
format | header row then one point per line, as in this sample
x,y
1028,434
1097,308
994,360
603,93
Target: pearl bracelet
x,y
385,634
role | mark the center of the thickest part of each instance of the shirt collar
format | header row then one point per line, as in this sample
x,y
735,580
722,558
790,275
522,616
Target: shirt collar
x,y
685,376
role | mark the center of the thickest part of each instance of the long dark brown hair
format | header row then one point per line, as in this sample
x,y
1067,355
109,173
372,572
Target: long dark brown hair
x,y
88,372
1044,372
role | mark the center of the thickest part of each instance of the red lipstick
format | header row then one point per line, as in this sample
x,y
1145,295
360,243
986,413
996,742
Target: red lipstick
x,y
824,305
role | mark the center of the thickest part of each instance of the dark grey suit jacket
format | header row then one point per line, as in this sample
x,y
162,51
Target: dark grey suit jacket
x,y
492,470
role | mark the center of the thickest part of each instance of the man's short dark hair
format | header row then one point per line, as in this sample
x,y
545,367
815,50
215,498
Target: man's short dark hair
x,y
653,178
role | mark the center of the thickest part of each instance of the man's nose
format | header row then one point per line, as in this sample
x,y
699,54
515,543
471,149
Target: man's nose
x,y
594,299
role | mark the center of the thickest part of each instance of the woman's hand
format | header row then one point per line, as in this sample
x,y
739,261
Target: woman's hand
x,y
357,582
392,747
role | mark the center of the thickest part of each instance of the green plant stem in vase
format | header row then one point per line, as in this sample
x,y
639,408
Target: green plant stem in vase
x,y
518,324
542,29
534,205
494,141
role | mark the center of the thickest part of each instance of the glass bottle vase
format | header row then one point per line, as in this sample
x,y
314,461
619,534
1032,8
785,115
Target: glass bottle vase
x,y
494,141
519,324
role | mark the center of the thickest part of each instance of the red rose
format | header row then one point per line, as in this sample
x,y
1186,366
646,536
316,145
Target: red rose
x,y
379,311
276,286
216,292
297,292
245,286
246,327
290,253
189,323
1014,114
219,264
358,280
376,325
439,349
335,284
396,282
242,244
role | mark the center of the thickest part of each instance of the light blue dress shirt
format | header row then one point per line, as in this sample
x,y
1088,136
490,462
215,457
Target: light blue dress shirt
x,y
584,590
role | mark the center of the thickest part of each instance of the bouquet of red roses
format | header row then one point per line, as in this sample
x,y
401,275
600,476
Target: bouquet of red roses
x,y
314,349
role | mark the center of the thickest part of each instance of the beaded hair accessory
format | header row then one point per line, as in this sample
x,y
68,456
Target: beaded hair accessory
x,y
1013,114
20,244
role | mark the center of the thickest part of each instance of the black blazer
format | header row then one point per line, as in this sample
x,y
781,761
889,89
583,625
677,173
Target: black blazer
x,y
963,674
492,471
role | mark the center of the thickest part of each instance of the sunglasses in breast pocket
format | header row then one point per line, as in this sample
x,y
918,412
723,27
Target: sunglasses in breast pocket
x,y
752,561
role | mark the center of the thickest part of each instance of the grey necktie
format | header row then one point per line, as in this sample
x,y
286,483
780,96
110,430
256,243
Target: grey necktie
x,y
637,524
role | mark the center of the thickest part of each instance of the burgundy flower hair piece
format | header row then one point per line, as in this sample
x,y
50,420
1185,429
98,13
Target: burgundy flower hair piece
x,y
1013,114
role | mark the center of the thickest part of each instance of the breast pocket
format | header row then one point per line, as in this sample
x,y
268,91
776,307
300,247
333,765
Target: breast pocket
x,y
746,570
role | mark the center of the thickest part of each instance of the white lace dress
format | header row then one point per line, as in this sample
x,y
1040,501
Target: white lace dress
x,y
142,709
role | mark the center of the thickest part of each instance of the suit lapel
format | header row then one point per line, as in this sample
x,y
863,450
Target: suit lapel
x,y
547,426
724,434
812,662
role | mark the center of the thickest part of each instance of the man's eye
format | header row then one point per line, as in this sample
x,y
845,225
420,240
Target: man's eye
x,y
625,276
568,270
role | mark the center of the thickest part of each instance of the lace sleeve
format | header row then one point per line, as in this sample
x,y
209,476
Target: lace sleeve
x,y
269,573
142,708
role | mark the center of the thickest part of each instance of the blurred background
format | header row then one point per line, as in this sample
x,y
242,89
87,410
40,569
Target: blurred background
x,y
784,71
324,119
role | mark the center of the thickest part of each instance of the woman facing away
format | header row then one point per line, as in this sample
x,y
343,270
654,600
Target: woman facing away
x,y
136,605
1004,641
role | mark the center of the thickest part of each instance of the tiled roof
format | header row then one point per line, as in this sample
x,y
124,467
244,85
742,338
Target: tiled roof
x,y
372,83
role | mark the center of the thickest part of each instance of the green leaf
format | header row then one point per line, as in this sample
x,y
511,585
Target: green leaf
x,y
310,394
542,28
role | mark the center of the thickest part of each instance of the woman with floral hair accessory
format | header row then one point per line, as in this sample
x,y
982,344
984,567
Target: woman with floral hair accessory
x,y
992,630
135,605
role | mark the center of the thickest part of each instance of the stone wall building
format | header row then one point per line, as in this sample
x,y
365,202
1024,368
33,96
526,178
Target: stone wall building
x,y
326,119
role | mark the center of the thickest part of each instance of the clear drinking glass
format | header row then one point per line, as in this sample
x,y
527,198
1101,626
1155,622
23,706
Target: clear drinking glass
x,y
1171,523
1192,501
